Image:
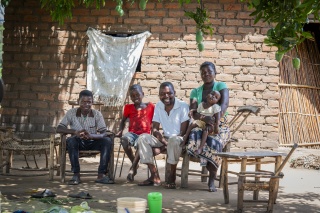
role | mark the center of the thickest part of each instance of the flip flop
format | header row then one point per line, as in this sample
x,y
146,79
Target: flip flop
x,y
75,180
82,195
149,183
105,180
45,193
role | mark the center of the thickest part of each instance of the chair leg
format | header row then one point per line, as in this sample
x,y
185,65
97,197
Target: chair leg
x,y
116,166
240,194
63,151
9,161
51,158
272,195
111,161
185,170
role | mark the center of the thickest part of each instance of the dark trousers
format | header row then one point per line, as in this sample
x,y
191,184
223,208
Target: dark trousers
x,y
104,145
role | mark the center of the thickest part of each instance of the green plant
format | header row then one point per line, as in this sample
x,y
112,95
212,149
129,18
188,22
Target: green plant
x,y
288,18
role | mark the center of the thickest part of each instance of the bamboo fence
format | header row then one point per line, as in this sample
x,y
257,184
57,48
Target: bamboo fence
x,y
299,116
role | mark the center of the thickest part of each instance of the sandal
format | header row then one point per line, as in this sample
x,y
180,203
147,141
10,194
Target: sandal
x,y
45,193
170,186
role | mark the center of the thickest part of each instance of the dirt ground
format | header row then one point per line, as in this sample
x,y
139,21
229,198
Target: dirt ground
x,y
299,190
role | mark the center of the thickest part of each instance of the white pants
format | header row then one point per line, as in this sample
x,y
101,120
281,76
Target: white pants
x,y
146,142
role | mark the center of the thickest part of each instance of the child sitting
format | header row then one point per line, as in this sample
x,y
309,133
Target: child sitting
x,y
209,108
140,119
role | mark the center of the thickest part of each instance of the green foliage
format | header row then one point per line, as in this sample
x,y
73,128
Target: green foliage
x,y
288,17
4,2
201,17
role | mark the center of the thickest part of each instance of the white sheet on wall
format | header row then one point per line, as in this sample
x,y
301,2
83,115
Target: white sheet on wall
x,y
112,62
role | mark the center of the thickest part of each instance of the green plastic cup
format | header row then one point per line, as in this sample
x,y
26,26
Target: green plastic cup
x,y
155,202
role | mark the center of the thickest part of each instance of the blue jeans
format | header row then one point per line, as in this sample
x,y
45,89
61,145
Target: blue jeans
x,y
75,144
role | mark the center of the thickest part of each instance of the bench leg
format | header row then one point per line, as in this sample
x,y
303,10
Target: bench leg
x,y
185,170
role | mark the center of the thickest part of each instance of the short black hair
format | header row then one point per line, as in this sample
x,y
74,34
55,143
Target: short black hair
x,y
166,84
85,93
208,64
135,87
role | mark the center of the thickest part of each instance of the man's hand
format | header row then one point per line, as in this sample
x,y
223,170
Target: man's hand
x,y
191,112
80,133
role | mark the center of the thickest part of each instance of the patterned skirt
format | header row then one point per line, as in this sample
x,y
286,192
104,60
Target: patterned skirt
x,y
213,145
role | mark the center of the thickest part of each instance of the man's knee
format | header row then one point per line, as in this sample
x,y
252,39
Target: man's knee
x,y
106,141
72,143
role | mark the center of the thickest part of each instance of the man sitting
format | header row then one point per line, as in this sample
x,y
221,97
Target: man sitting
x,y
84,124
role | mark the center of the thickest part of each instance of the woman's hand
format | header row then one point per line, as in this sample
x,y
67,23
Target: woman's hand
x,y
208,120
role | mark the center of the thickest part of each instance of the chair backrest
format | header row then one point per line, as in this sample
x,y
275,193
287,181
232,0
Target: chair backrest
x,y
240,111
295,145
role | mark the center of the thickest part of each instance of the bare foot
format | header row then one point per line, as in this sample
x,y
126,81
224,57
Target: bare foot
x,y
199,151
131,174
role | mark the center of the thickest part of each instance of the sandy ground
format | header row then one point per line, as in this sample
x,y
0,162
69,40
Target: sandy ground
x,y
299,190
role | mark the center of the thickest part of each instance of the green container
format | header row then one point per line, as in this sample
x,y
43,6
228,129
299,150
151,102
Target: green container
x,y
155,202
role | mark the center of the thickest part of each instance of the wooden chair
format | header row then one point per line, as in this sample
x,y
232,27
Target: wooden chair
x,y
61,166
10,144
255,184
242,112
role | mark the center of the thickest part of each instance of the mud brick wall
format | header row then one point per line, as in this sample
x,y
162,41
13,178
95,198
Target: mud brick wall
x,y
45,64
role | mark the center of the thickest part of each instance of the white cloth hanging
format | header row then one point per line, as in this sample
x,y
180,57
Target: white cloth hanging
x,y
112,61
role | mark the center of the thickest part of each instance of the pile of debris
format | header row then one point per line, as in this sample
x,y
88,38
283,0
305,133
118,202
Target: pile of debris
x,y
309,162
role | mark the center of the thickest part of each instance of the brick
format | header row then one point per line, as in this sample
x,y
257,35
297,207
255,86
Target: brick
x,y
176,61
244,46
244,94
270,79
230,54
170,52
210,54
150,52
159,44
255,120
256,38
224,61
234,86
258,71
232,38
152,75
171,36
224,77
177,44
190,53
151,21
270,95
156,13
257,87
235,102
255,102
248,78
246,127
243,15
171,21
266,48
135,13
246,30
106,20
159,29
273,136
189,85
132,21
269,112
244,62
273,87
234,22
177,29
273,103
152,84
157,60
271,63
254,136
227,30
150,68
272,120
226,15
9,111
235,7
232,69
46,96
261,55
174,75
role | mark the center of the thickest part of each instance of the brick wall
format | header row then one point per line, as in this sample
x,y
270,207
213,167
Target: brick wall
x,y
45,64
